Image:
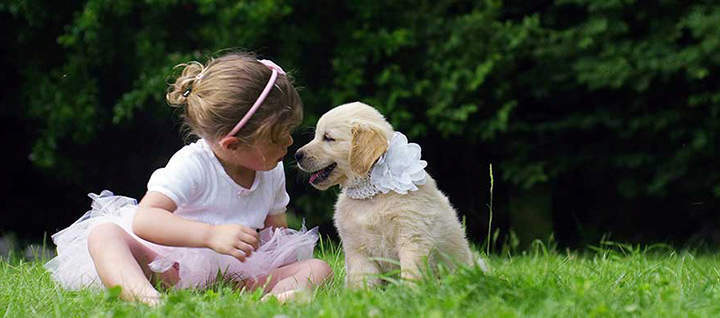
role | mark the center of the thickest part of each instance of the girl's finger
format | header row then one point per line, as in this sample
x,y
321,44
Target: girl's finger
x,y
244,247
252,232
238,254
252,240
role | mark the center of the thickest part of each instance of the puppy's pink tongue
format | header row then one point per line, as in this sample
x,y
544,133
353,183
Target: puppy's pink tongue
x,y
313,177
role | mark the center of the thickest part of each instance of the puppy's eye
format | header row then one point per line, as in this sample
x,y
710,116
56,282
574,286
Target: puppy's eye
x,y
327,137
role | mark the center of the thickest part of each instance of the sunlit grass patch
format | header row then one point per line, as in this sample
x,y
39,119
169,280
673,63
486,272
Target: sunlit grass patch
x,y
608,280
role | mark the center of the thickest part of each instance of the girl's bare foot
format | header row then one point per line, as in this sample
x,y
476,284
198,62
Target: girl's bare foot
x,y
150,299
146,295
296,295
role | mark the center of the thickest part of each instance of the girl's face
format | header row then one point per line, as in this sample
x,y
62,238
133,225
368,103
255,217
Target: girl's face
x,y
264,155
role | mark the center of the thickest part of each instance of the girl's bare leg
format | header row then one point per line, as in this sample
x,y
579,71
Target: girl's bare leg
x,y
121,260
287,280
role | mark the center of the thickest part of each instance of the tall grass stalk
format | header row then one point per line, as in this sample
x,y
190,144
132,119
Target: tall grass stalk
x,y
490,205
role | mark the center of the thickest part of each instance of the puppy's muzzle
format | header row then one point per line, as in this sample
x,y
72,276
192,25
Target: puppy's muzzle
x,y
299,155
300,158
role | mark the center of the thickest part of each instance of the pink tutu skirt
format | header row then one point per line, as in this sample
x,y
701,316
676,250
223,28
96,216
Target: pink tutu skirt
x,y
73,267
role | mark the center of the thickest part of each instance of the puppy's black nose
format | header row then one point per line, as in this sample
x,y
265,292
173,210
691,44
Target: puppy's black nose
x,y
299,155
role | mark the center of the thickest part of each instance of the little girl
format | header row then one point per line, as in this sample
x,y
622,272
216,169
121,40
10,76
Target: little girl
x,y
202,212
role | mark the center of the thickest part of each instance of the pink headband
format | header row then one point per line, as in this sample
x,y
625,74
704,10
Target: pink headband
x,y
275,71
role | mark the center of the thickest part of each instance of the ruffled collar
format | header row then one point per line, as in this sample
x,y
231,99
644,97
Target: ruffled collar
x,y
399,169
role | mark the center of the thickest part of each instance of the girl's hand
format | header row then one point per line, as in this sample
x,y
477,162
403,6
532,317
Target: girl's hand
x,y
233,239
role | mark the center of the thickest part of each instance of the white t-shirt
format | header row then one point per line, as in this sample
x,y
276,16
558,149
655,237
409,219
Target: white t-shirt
x,y
202,191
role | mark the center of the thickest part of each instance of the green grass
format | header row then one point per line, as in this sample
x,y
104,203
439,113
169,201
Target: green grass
x,y
613,280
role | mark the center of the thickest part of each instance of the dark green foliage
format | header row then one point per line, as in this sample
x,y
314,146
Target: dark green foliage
x,y
622,94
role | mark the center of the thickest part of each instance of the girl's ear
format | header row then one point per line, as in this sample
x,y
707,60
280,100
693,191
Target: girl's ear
x,y
229,143
368,144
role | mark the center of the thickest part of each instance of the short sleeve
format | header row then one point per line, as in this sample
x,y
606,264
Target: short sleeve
x,y
180,179
281,197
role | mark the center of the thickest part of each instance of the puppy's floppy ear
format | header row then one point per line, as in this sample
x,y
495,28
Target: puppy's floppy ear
x,y
368,144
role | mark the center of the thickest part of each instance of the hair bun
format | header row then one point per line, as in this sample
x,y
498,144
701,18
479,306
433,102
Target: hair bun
x,y
180,91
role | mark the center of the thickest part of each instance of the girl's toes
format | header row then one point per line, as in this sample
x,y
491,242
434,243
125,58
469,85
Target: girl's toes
x,y
151,301
296,295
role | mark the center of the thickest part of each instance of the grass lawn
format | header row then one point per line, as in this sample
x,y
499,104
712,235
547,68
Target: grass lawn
x,y
614,280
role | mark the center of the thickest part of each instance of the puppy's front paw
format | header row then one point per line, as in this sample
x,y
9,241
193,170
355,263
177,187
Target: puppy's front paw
x,y
361,280
410,274
361,271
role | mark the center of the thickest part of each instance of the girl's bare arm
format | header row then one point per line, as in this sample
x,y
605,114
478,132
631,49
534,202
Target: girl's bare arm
x,y
277,220
155,222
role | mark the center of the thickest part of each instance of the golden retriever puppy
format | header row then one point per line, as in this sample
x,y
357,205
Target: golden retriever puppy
x,y
390,211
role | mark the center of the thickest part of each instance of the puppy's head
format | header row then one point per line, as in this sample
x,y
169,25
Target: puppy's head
x,y
348,140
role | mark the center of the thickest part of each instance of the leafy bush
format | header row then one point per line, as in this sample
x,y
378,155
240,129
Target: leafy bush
x,y
621,94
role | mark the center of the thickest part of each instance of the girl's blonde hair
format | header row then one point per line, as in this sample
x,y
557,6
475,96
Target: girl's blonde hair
x,y
217,95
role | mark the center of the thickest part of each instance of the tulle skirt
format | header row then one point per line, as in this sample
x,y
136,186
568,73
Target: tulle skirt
x,y
73,267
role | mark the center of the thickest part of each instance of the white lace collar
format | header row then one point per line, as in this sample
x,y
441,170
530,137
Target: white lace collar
x,y
399,169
